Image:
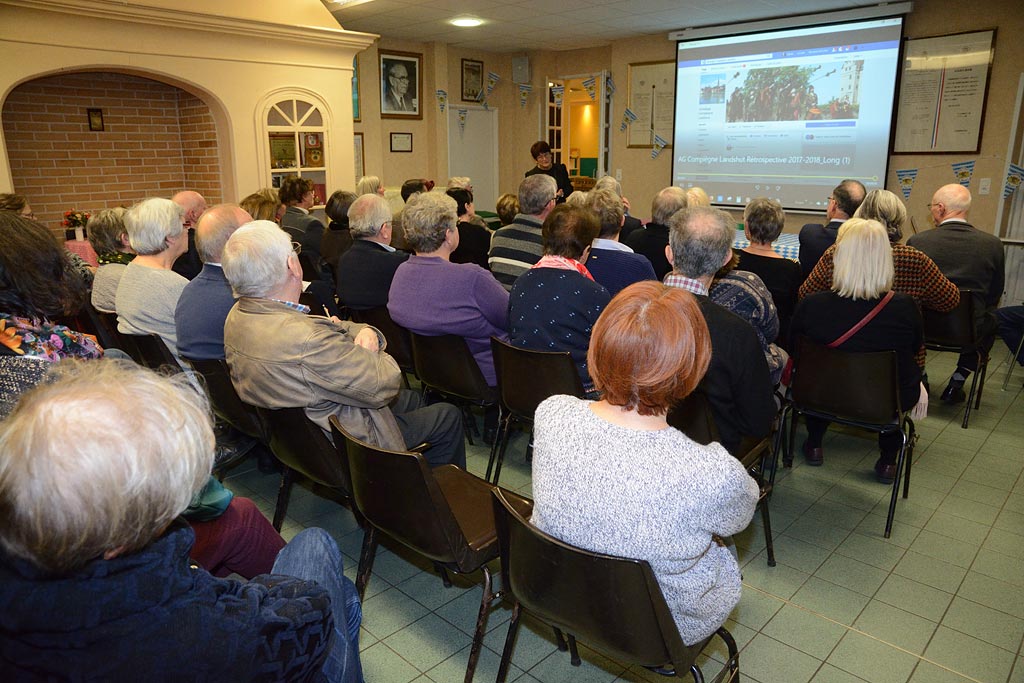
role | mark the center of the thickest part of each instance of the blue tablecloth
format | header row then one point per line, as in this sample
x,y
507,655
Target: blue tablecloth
x,y
787,245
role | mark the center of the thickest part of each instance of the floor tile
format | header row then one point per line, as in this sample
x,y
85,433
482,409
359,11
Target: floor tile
x,y
927,672
767,659
968,509
970,656
755,608
931,571
804,631
992,626
1005,542
453,669
595,668
830,674
895,626
828,599
914,597
993,593
945,548
380,663
999,566
855,575
871,659
427,642
463,611
957,527
780,580
792,552
876,552
534,641
1010,520
389,611
1018,671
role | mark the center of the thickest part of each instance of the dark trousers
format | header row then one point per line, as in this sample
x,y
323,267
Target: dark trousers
x,y
440,424
1011,328
888,442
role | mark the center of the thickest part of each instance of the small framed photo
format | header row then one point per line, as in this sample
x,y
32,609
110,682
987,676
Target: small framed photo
x,y
401,142
401,84
358,149
95,119
472,80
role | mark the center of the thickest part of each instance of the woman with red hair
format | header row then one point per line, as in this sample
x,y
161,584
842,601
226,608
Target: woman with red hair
x,y
613,477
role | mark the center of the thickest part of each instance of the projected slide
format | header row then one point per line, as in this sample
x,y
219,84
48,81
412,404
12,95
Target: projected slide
x,y
786,114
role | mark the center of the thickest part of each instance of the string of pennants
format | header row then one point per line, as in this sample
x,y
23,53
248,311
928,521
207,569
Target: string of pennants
x,y
963,171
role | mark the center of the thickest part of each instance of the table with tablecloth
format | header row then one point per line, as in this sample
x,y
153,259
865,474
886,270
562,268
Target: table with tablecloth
x,y
787,245
83,249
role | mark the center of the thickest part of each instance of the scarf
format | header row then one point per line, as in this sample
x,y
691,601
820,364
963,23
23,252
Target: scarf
x,y
563,263
115,257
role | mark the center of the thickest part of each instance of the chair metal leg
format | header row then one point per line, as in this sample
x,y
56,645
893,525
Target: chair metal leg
x,y
574,655
366,557
509,421
766,521
983,368
733,663
443,573
481,623
787,457
510,639
284,493
974,392
498,448
698,675
468,424
777,445
560,641
911,442
900,459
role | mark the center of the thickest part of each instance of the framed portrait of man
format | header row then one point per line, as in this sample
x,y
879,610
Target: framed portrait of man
x,y
401,85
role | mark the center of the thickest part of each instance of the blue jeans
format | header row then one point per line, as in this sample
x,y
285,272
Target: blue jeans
x,y
314,556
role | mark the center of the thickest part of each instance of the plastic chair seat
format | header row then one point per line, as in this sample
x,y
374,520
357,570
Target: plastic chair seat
x,y
957,332
469,499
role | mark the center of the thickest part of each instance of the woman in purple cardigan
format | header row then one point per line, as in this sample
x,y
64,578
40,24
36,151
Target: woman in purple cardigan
x,y
430,295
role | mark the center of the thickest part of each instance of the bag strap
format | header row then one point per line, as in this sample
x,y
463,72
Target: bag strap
x,y
863,321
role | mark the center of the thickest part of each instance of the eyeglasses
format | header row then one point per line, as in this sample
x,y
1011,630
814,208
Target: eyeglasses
x,y
404,79
30,215
544,155
297,248
930,205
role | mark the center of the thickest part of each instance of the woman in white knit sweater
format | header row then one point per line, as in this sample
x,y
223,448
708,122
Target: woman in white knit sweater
x,y
612,477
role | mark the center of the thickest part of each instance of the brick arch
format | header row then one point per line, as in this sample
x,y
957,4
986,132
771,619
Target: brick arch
x,y
158,139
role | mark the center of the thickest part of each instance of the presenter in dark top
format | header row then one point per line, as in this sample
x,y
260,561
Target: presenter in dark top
x,y
541,152
815,239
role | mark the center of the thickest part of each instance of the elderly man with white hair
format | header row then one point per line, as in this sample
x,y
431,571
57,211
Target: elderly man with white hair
x,y
193,205
365,271
281,357
653,238
148,291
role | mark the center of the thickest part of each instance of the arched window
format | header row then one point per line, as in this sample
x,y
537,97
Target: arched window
x,y
297,144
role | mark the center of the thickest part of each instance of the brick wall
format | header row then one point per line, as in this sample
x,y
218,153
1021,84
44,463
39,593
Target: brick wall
x,y
156,140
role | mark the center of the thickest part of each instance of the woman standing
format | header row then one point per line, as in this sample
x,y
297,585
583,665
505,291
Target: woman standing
x,y
541,153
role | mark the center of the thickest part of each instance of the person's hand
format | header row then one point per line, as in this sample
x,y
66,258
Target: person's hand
x,y
920,411
367,338
625,204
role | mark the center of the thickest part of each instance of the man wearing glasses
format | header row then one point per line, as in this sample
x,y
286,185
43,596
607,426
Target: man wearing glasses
x,y
814,238
397,96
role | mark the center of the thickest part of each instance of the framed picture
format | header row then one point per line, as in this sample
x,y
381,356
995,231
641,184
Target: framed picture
x,y
95,119
355,89
358,148
943,90
472,80
401,142
652,97
401,83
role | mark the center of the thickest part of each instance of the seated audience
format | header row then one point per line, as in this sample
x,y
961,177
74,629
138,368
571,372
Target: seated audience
x,y
577,198
282,357
365,271
629,223
861,281
507,207
337,239
971,259
763,220
465,183
613,477
192,206
519,245
914,273
148,291
554,305
1011,328
744,294
697,196
545,164
92,551
651,240
370,184
410,187
297,195
814,238
204,303
18,204
737,384
109,239
474,240
264,205
432,296
38,284
611,262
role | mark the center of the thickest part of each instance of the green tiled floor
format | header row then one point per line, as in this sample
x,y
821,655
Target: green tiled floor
x,y
942,601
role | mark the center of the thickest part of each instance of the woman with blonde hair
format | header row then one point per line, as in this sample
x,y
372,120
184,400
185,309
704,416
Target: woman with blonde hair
x,y
862,292
370,184
613,477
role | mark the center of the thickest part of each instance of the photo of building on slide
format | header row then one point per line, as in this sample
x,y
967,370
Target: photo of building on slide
x,y
790,93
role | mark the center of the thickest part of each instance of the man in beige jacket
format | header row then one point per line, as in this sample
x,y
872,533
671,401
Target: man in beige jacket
x,y
281,357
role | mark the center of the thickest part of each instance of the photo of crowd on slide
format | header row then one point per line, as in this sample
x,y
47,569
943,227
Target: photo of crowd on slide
x,y
794,93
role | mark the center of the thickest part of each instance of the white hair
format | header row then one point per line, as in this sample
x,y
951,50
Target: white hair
x,y
151,222
426,218
863,267
255,259
608,182
367,214
459,182
103,458
368,184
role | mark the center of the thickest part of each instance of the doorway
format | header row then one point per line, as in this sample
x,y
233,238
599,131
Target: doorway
x,y
473,151
578,130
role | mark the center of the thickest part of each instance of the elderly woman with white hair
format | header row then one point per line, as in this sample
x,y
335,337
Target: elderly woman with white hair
x,y
109,239
148,291
95,575
862,292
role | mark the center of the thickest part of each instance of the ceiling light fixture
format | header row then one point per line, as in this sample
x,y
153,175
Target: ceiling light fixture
x,y
466,22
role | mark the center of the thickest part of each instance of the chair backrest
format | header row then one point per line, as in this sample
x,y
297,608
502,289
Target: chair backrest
x,y
858,387
106,329
299,443
613,604
226,403
952,330
444,363
153,353
525,377
692,416
397,337
396,492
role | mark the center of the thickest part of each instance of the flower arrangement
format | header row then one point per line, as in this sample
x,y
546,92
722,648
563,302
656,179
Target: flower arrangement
x,y
75,219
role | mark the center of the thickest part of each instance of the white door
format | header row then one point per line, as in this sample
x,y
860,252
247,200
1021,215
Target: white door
x,y
473,151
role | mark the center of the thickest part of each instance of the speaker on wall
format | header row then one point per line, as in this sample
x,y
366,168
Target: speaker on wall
x,y
521,69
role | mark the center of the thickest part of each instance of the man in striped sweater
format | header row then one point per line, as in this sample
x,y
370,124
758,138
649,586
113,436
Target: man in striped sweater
x,y
519,245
